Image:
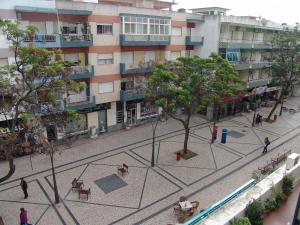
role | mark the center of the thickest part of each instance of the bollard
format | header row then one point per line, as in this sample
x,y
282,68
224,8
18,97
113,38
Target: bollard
x,y
224,136
178,156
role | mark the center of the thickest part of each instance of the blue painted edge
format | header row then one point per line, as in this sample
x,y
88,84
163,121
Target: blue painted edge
x,y
125,98
195,20
200,216
52,10
143,15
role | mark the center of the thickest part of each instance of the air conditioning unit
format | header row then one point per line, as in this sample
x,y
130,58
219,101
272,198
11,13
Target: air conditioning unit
x,y
292,160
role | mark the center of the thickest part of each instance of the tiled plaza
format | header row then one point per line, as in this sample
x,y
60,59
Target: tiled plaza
x,y
145,195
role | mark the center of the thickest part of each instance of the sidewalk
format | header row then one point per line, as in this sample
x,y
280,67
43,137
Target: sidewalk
x,y
146,194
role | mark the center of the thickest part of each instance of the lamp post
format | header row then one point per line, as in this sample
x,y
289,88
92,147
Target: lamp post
x,y
254,115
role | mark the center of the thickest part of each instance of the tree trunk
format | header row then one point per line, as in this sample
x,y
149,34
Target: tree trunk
x,y
11,171
274,108
53,175
153,148
186,139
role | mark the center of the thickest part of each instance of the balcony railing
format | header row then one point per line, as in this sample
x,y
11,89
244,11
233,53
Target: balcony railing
x,y
258,83
134,94
144,40
45,41
80,72
194,40
251,65
245,44
61,40
76,40
128,69
79,103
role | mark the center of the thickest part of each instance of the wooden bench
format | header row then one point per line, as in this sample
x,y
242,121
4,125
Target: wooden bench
x,y
123,169
76,184
85,192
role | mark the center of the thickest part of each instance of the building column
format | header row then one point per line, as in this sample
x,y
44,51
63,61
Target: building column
x,y
138,110
125,112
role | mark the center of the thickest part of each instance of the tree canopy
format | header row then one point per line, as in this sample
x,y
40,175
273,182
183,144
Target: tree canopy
x,y
191,83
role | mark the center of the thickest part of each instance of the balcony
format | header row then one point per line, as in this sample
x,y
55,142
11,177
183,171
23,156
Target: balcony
x,y
76,40
143,40
129,69
130,95
79,103
245,44
44,41
194,40
258,83
251,65
81,72
60,40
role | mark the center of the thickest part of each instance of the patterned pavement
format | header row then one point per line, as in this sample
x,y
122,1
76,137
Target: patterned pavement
x,y
146,194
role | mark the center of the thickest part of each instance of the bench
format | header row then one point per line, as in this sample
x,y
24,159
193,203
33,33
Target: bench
x,y
278,159
76,184
85,192
123,169
267,168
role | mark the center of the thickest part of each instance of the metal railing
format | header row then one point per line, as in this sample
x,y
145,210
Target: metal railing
x,y
81,69
77,37
212,209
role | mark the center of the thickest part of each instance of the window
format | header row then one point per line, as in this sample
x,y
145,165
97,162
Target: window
x,y
176,31
149,56
105,29
105,59
107,87
127,58
143,25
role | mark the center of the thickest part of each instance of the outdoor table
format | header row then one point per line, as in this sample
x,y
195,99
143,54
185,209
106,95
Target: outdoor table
x,y
186,205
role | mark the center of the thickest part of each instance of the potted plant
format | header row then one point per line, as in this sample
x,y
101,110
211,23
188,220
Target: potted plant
x,y
287,185
255,212
240,221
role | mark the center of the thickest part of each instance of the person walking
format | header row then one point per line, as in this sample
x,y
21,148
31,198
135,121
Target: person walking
x,y
24,187
267,143
23,217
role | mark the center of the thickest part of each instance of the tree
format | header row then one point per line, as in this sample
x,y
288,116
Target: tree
x,y
21,83
189,83
286,68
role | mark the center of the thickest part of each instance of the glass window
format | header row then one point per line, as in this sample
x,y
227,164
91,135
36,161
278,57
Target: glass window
x,y
105,29
104,59
107,87
144,25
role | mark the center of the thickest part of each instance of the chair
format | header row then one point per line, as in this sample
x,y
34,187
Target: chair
x,y
195,205
177,209
76,184
123,169
86,192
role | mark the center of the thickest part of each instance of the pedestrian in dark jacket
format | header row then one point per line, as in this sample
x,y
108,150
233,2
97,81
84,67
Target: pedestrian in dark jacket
x,y
267,143
24,187
23,217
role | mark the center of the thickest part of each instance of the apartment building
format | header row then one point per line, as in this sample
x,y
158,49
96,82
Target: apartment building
x,y
246,42
115,44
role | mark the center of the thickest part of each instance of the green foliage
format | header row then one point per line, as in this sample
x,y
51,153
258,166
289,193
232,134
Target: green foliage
x,y
255,212
286,67
241,221
191,83
287,184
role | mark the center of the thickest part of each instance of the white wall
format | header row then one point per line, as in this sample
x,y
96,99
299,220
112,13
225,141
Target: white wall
x,y
211,33
10,4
